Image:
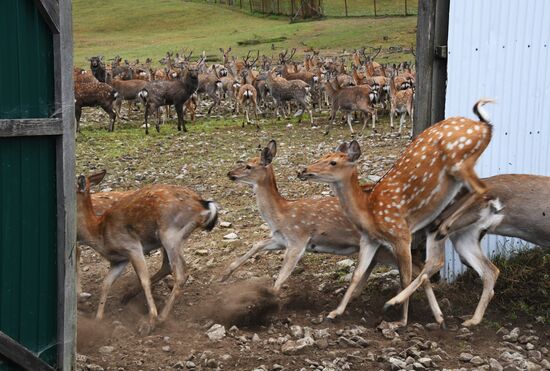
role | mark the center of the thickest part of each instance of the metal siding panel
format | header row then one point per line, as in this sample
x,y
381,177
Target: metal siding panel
x,y
500,49
28,264
26,77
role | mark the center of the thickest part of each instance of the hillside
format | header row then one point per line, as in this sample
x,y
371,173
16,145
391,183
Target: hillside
x,y
140,29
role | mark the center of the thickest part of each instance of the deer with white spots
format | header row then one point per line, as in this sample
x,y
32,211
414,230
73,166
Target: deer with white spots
x,y
412,194
154,217
520,207
315,225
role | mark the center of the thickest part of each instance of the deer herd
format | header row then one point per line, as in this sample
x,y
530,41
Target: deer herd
x,y
352,83
432,188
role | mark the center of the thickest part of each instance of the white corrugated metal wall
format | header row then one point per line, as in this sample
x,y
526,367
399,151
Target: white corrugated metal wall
x,y
501,49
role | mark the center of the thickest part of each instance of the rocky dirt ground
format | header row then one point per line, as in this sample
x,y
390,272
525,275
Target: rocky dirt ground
x,y
199,334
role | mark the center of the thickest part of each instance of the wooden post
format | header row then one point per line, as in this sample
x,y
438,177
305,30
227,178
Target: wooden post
x,y
278,7
375,8
346,6
406,11
291,10
250,2
432,31
241,3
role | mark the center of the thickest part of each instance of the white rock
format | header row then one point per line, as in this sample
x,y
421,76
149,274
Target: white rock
x,y
231,236
225,224
216,332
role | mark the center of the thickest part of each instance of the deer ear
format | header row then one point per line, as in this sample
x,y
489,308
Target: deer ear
x,y
342,147
272,145
267,156
81,183
354,151
97,177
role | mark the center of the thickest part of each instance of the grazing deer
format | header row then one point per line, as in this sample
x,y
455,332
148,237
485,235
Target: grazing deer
x,y
520,207
315,225
158,216
412,194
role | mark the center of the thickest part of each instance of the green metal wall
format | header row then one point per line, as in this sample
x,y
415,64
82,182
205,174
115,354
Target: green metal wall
x,y
26,62
28,225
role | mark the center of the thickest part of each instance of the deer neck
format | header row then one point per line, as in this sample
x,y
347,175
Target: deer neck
x,y
89,224
354,201
270,202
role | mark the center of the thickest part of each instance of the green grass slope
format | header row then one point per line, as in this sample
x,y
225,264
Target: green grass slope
x,y
149,28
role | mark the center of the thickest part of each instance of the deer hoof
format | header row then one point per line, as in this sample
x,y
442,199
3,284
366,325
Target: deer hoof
x,y
146,327
387,306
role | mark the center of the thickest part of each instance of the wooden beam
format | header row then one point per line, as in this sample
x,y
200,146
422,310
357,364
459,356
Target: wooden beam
x,y
30,127
66,198
50,12
20,355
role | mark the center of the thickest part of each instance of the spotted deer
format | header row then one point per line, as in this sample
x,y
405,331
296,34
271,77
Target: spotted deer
x,y
519,207
402,103
315,225
421,184
154,217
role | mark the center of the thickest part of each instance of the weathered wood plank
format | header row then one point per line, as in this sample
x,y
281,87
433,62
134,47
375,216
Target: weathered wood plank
x,y
30,127
424,65
66,198
431,71
20,355
50,12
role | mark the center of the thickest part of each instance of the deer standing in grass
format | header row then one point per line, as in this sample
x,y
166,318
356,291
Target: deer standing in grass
x,y
402,103
316,225
154,217
520,207
412,194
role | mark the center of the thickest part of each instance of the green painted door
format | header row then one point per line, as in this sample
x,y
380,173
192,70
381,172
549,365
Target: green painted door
x,y
28,224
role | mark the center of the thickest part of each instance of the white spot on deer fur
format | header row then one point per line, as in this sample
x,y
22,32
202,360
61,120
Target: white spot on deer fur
x,y
477,127
469,131
449,133
462,139
388,219
461,120
468,142
461,146
423,157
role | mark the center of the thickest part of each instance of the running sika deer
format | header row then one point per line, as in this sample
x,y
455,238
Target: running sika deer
x,y
316,225
158,216
412,194
520,207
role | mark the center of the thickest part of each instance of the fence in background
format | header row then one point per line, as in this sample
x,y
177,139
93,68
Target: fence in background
x,y
327,8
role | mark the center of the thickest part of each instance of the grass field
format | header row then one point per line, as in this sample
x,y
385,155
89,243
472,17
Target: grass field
x,y
148,28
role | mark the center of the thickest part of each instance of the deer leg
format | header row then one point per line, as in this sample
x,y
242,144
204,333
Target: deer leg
x,y
160,274
401,122
367,251
147,109
173,242
78,114
435,259
391,116
404,263
138,262
293,254
268,244
115,271
112,116
181,122
349,122
466,243
78,270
